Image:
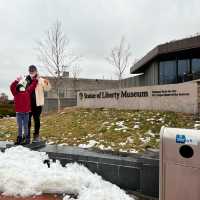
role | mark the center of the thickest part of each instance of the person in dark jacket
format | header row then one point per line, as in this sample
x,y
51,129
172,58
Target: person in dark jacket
x,y
37,100
21,92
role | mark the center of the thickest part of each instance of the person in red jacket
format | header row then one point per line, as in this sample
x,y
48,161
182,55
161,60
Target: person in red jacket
x,y
21,92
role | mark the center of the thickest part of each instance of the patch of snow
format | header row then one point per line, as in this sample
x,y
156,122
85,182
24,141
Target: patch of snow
x,y
122,143
137,122
121,126
145,140
133,151
196,126
101,146
129,140
136,126
120,123
112,143
150,119
161,120
90,144
108,148
149,132
62,113
90,135
23,173
51,142
158,140
122,150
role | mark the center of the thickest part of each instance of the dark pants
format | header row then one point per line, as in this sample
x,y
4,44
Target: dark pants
x,y
36,112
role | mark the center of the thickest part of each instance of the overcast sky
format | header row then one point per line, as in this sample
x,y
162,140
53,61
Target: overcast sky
x,y
93,28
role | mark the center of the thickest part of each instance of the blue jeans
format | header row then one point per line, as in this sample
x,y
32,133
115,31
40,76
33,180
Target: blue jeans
x,y
22,122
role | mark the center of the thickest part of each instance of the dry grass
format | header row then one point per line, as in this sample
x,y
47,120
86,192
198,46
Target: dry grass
x,y
118,130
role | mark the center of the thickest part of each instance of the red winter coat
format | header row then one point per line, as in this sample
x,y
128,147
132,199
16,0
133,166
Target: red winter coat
x,y
22,99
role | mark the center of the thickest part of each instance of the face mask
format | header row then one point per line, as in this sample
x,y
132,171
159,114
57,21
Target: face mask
x,y
22,84
22,89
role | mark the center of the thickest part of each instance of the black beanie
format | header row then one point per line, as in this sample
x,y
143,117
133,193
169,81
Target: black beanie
x,y
32,68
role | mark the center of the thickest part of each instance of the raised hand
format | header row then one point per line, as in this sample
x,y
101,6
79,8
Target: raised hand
x,y
19,78
46,81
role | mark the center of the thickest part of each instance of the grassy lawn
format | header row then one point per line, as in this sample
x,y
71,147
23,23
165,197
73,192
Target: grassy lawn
x,y
108,129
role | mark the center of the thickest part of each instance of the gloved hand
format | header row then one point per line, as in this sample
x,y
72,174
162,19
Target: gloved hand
x,y
46,81
19,78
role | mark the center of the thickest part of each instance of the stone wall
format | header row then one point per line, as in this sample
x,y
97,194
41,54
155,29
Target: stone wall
x,y
69,88
182,97
51,104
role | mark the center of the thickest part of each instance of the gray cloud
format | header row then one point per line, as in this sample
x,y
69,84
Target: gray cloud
x,y
93,27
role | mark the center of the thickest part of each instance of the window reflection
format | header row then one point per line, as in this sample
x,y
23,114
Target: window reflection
x,y
168,72
183,69
195,65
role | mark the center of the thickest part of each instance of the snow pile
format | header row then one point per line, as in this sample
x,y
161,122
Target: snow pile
x,y
23,173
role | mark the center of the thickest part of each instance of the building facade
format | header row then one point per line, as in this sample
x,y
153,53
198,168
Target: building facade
x,y
170,63
173,62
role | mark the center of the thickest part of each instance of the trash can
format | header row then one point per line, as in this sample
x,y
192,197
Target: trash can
x,y
179,164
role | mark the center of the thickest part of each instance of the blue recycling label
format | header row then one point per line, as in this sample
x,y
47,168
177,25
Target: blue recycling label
x,y
180,139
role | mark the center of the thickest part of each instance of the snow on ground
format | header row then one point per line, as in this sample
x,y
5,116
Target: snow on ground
x,y
145,140
136,126
197,125
120,126
90,144
23,173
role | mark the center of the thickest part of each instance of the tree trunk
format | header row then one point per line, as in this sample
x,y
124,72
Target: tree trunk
x,y
59,104
120,81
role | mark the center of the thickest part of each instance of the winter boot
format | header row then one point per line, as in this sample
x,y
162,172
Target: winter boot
x,y
23,139
18,141
36,138
27,139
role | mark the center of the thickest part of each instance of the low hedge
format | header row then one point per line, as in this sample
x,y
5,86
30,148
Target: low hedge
x,y
7,109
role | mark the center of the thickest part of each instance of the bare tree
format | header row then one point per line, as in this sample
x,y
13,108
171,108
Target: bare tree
x,y
76,70
120,58
54,54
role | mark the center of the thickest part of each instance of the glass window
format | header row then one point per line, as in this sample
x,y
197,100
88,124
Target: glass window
x,y
183,69
168,72
195,65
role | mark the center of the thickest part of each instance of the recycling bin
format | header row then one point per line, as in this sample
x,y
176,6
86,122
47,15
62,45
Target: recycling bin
x,y
179,164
